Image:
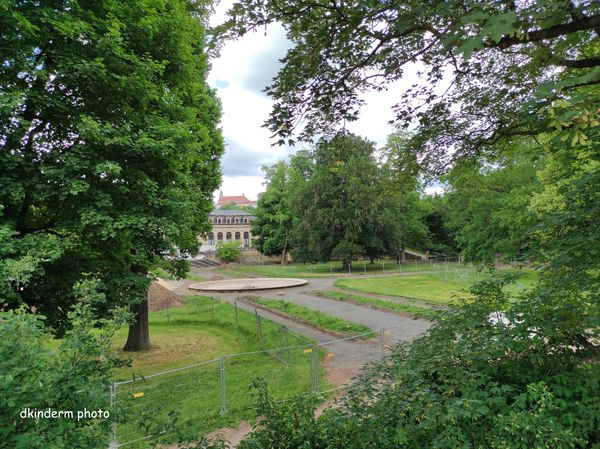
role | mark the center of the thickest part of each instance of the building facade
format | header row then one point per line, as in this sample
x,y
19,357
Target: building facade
x,y
228,226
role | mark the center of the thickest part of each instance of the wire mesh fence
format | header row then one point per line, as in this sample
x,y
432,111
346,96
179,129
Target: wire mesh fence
x,y
205,396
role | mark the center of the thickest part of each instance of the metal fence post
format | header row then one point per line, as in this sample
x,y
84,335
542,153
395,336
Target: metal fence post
x,y
259,329
382,342
113,425
316,368
236,313
223,396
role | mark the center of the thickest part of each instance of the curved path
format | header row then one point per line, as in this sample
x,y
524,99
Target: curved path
x,y
345,358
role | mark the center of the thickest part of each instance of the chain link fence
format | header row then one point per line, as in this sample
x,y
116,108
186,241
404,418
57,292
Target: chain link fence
x,y
210,394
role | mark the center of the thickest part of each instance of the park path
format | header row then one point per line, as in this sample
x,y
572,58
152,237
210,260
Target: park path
x,y
349,355
345,357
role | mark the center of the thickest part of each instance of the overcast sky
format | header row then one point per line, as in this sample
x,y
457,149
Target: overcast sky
x,y
244,68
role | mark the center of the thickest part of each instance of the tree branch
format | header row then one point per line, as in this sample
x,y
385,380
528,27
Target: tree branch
x,y
585,23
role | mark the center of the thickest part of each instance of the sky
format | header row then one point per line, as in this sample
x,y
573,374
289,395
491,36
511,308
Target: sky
x,y
240,73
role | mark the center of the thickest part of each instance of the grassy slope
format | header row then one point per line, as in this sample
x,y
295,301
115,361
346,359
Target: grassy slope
x,y
314,317
437,287
190,335
414,310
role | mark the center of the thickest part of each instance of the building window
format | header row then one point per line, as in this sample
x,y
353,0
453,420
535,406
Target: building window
x,y
237,236
220,236
211,239
237,220
246,239
228,236
228,221
218,221
246,220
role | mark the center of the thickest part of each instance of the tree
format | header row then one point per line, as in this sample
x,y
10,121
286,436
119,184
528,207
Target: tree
x,y
436,217
400,206
336,206
272,225
490,204
110,148
515,68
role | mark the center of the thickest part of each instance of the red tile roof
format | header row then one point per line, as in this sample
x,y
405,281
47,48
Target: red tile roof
x,y
239,199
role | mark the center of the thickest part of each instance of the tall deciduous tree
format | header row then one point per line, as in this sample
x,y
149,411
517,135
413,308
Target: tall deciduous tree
x,y
110,147
400,200
272,226
490,204
337,206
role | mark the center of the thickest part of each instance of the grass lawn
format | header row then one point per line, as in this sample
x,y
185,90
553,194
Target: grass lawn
x,y
436,287
201,330
322,269
315,317
414,310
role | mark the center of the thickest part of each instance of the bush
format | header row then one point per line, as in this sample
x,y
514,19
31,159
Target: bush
x,y
228,251
74,377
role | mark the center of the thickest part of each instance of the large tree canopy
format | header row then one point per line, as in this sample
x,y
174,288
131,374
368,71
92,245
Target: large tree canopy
x,y
110,146
490,70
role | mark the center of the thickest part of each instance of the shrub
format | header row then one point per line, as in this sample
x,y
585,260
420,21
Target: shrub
x,y
73,377
228,251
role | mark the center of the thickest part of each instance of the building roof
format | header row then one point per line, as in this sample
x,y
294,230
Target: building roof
x,y
229,212
238,199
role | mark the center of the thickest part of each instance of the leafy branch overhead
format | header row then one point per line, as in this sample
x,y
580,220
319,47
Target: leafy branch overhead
x,y
489,71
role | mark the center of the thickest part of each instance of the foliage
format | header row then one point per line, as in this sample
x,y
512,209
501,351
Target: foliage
x,y
232,206
279,423
437,214
335,207
110,147
273,222
515,68
228,251
490,202
74,377
519,382
400,209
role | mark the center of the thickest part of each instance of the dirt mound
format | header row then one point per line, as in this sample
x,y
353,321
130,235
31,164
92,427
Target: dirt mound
x,y
160,297
216,277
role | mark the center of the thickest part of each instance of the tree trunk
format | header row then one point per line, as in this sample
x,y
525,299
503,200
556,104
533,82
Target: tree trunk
x,y
403,254
138,338
284,252
372,259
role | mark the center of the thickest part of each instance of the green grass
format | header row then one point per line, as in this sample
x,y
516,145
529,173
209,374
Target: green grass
x,y
323,269
436,287
315,317
411,309
201,330
194,277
